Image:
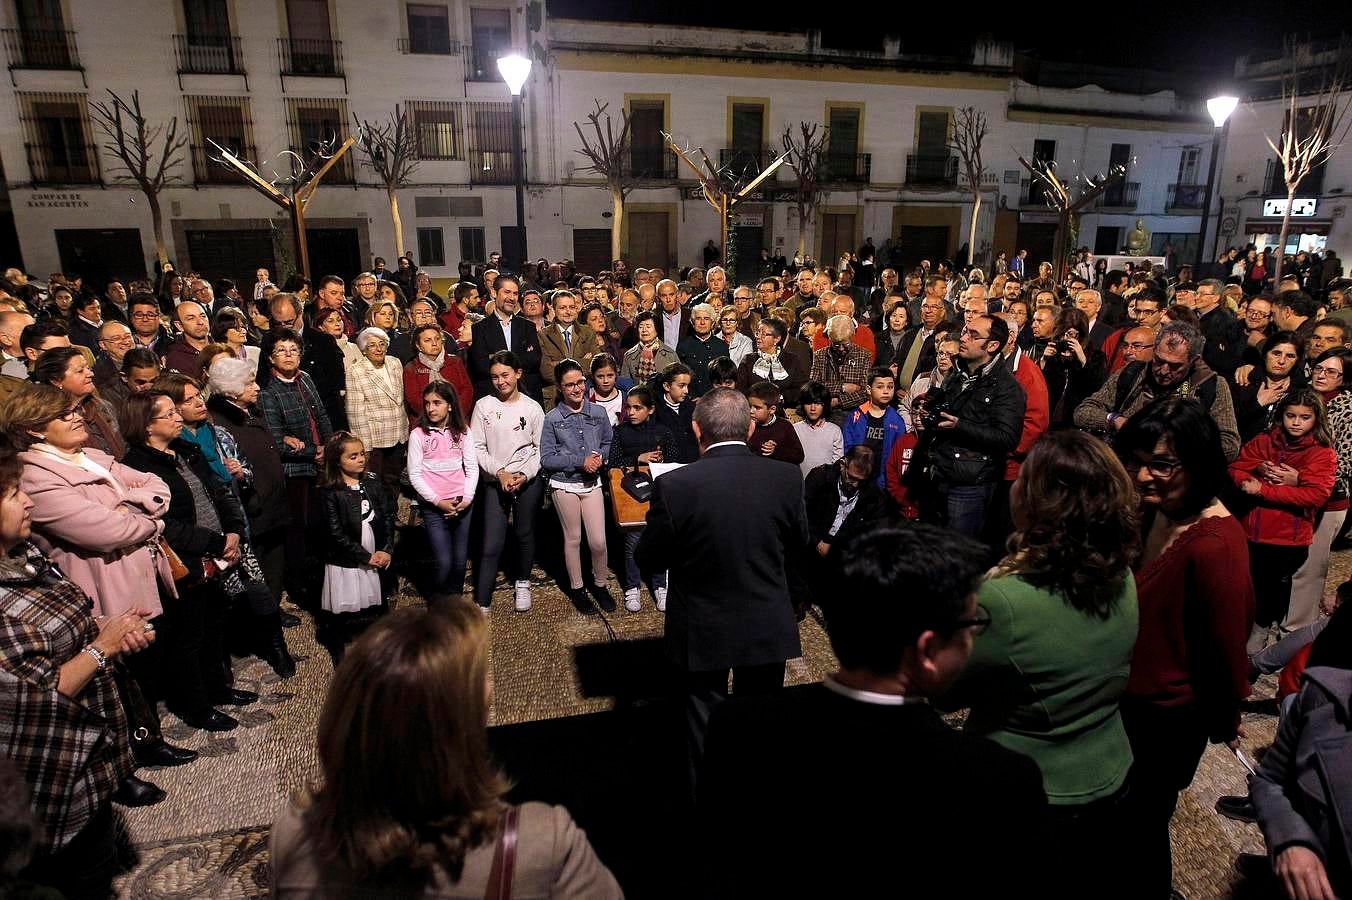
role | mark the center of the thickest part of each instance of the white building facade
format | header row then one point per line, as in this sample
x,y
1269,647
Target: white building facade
x,y
265,77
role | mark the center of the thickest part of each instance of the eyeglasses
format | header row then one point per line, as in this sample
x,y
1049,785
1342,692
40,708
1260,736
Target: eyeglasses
x,y
1257,314
1330,371
172,414
1158,466
975,335
1141,345
71,415
978,623
145,316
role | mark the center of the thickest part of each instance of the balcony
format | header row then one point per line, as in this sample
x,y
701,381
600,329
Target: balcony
x,y
1186,196
52,165
491,167
481,63
422,46
39,48
746,161
1121,196
651,164
850,168
932,170
207,171
208,54
311,57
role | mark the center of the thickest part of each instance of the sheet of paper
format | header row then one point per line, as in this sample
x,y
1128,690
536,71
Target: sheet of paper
x,y
660,469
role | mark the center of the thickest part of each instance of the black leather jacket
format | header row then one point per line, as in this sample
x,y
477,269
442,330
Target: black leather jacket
x,y
343,513
990,422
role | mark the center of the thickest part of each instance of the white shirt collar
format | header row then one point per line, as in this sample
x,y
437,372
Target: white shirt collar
x,y
869,696
725,444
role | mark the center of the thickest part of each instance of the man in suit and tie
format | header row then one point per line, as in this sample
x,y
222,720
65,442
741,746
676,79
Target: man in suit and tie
x,y
916,354
505,330
1090,302
729,604
564,338
907,799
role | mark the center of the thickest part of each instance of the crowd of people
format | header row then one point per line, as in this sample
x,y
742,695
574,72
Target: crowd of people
x,y
1120,447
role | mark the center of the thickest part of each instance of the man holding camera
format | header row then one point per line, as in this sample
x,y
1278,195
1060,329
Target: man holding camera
x,y
971,427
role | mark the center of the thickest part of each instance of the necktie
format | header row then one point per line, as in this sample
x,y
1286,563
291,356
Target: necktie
x,y
907,373
568,340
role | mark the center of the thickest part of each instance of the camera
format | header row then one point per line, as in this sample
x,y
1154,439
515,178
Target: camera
x,y
936,402
1063,346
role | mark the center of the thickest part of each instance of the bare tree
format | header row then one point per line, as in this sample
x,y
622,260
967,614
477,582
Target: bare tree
x,y
608,155
391,151
133,140
1315,101
969,131
806,155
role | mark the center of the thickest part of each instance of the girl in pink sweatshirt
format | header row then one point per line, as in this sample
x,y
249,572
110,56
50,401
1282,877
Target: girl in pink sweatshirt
x,y
443,469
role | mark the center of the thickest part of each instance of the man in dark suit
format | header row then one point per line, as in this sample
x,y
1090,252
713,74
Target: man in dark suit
x,y
842,499
728,602
320,357
673,319
505,330
907,799
1090,302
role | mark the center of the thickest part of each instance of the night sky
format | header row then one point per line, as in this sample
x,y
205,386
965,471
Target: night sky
x,y
1200,48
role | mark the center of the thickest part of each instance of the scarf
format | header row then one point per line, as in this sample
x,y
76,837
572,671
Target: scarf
x,y
433,365
647,362
765,365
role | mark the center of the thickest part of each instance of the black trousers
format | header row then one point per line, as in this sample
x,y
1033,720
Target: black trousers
x,y
1167,743
83,869
1271,567
705,690
196,663
388,463
302,573
1089,838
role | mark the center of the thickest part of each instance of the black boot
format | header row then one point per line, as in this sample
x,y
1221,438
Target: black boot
x,y
272,646
289,620
155,751
136,792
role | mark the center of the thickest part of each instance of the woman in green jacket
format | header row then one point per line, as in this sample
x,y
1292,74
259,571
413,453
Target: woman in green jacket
x,y
1046,676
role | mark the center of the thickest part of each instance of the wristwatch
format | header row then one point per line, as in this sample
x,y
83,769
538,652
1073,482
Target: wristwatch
x,y
100,658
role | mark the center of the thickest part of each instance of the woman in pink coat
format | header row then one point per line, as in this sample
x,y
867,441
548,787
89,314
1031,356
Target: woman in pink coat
x,y
99,521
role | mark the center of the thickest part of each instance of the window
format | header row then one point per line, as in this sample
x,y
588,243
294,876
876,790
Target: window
x,y
316,123
429,28
843,160
309,47
435,125
448,207
431,251
472,245
490,154
224,121
58,140
1189,160
490,34
647,148
43,41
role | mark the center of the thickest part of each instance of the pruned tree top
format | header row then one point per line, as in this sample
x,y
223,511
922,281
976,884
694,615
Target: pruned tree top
x,y
607,152
390,148
1315,120
970,128
132,141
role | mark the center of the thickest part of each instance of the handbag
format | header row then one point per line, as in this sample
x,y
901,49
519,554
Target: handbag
x,y
176,567
638,483
504,860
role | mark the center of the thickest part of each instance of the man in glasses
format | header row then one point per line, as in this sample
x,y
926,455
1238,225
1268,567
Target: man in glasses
x,y
144,312
892,750
1145,311
970,425
1224,335
1177,367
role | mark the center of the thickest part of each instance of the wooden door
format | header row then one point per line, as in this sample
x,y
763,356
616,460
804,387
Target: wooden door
x,y
649,240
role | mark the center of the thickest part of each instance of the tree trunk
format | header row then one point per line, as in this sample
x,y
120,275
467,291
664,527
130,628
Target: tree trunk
x,y
157,226
971,232
1281,239
616,223
398,223
802,232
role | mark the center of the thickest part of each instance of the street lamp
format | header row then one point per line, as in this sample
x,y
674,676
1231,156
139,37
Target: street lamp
x,y
1220,109
515,69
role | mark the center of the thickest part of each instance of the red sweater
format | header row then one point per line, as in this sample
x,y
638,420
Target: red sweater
x,y
417,375
1194,622
1036,412
787,446
1285,514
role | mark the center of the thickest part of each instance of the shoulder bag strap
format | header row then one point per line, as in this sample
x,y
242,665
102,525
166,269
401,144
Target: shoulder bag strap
x,y
504,860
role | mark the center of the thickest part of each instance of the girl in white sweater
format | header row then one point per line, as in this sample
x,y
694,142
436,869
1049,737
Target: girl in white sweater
x,y
506,432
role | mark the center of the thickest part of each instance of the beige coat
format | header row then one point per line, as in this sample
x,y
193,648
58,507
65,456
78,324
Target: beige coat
x,y
553,859
375,403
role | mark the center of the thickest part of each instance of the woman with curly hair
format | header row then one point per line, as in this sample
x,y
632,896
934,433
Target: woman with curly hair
x,y
1045,678
411,804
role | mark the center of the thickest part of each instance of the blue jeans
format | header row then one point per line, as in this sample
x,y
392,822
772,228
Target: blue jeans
x,y
631,577
495,508
966,505
449,537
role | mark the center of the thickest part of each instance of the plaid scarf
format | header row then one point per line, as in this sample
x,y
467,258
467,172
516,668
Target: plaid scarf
x,y
647,362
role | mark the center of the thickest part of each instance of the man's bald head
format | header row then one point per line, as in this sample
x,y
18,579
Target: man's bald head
x,y
12,325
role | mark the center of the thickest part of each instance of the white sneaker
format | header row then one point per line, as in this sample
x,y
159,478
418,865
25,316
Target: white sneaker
x,y
523,596
486,610
660,595
631,599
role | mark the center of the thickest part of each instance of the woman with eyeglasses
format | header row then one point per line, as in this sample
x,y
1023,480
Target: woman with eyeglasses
x,y
1189,670
65,368
1257,394
771,363
945,351
738,344
231,329
375,407
1072,367
1046,678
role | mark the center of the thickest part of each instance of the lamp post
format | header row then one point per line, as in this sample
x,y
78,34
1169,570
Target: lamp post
x,y
515,69
1220,109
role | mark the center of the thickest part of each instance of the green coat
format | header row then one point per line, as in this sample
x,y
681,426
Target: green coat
x,y
1045,680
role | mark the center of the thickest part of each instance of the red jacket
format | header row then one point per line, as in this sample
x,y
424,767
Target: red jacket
x,y
417,375
897,463
1036,412
1285,514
